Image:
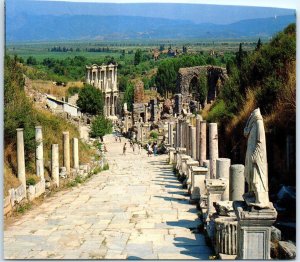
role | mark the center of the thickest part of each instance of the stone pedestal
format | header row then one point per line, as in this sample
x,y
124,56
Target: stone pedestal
x,y
55,164
254,231
171,155
188,179
180,151
202,153
183,168
75,153
236,182
215,189
39,154
223,170
21,158
66,145
213,148
198,182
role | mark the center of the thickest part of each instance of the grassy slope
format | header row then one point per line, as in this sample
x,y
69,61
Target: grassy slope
x,y
20,112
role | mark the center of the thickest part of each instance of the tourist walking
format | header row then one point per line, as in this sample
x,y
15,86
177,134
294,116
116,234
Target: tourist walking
x,y
124,149
155,149
149,150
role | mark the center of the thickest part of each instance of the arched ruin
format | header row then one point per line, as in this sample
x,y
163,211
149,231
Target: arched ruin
x,y
188,82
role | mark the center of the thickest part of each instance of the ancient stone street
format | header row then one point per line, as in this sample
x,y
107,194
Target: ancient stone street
x,y
135,210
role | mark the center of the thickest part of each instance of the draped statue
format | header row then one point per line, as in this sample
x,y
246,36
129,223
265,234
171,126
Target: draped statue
x,y
256,167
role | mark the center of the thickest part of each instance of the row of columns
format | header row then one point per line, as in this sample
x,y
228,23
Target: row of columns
x,y
213,183
103,77
21,172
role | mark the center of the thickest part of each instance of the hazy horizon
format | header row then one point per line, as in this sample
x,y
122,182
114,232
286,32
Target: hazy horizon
x,y
196,13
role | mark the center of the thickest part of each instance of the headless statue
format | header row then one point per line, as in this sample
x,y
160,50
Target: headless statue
x,y
256,167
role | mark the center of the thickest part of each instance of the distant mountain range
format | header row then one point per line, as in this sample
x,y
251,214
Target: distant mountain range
x,y
26,27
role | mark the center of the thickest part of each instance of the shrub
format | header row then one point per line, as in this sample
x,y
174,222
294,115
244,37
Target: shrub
x,y
154,134
30,181
106,167
219,112
100,127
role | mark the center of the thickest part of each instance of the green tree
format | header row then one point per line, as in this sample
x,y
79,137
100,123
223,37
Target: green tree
x,y
129,96
90,100
258,45
31,61
100,127
137,57
203,88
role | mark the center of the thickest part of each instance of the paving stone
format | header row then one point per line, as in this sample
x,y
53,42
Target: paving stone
x,y
127,212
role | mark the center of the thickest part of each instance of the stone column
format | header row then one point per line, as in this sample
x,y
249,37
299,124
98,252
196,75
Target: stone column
x,y
189,138
223,171
21,157
55,164
206,164
236,183
213,148
66,144
193,142
182,133
198,123
202,153
111,105
75,153
170,133
39,154
177,134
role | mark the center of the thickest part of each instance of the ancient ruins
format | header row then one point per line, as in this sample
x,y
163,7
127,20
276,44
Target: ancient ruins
x,y
237,224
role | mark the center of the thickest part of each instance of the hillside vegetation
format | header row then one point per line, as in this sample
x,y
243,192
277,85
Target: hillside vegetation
x,y
264,78
20,112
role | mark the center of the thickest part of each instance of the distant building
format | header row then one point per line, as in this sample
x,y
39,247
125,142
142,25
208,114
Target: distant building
x,y
104,77
60,106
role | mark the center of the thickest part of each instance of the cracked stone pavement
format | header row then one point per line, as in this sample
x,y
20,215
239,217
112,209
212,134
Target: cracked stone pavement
x,y
135,210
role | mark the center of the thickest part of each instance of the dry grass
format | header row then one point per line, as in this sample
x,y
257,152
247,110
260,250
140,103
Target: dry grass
x,y
49,88
284,113
242,116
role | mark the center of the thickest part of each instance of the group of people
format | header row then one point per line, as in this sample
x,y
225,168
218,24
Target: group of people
x,y
133,146
152,149
118,138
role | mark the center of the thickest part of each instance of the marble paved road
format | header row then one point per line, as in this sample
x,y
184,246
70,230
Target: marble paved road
x,y
134,210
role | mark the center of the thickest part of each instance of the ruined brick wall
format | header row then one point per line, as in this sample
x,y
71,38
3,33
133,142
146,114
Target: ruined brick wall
x,y
187,75
139,92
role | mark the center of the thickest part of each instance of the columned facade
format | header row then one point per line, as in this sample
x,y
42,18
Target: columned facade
x,y
104,77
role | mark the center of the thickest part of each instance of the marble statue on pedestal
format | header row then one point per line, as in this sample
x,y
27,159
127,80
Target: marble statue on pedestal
x,y
256,169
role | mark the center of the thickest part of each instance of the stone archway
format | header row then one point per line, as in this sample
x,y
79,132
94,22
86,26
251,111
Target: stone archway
x,y
187,77
194,88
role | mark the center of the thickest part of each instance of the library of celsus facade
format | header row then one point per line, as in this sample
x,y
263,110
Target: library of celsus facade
x,y
104,77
